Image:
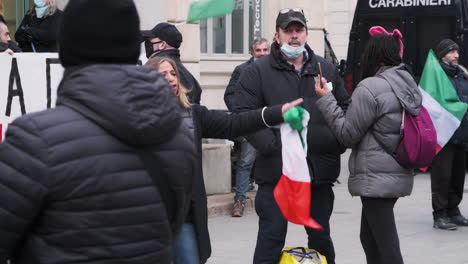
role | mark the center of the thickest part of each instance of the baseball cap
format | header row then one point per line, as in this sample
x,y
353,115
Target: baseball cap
x,y
164,31
289,15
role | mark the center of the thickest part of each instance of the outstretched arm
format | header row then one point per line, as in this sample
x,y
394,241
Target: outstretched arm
x,y
219,124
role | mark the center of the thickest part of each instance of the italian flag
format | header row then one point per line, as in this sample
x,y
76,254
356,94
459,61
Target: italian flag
x,y
293,191
203,9
441,100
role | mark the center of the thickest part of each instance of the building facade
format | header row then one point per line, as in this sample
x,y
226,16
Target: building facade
x,y
213,47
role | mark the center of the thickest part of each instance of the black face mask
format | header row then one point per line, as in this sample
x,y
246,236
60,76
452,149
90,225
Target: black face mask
x,y
149,48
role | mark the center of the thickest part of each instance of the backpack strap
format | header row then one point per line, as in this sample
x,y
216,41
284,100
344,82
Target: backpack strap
x,y
172,199
401,127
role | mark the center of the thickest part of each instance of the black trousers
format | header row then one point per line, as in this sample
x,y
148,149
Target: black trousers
x,y
272,226
448,180
379,236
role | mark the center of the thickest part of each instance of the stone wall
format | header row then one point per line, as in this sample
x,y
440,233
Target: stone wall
x,y
340,18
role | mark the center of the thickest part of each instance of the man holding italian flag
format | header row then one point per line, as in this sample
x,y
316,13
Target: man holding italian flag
x,y
445,93
310,163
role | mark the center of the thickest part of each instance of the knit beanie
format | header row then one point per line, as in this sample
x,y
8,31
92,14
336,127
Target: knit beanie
x,y
445,46
99,32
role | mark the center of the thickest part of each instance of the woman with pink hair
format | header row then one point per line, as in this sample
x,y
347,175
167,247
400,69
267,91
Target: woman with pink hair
x,y
371,127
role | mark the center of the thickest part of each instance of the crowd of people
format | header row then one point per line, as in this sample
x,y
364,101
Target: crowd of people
x,y
113,173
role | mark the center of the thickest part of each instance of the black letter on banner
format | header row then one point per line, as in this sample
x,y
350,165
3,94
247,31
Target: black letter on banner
x,y
49,85
14,75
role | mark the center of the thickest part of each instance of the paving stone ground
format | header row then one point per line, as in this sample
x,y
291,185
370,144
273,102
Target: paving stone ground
x,y
233,239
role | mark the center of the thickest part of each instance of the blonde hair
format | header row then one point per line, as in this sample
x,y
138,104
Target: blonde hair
x,y
155,62
52,8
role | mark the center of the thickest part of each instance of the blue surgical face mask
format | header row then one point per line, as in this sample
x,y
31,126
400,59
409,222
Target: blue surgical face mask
x,y
292,52
41,11
40,3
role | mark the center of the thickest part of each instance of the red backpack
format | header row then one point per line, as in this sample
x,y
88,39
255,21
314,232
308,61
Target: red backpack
x,y
418,143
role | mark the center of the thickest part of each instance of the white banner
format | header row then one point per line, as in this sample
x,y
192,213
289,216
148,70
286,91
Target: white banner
x,y
28,83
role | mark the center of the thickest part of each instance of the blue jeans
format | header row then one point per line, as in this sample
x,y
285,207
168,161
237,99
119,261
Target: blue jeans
x,y
244,169
186,246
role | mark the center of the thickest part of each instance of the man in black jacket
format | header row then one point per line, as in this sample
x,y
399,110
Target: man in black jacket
x,y
74,187
258,49
6,44
289,72
164,40
448,167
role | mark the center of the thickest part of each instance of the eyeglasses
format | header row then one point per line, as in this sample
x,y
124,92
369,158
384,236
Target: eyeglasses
x,y
287,10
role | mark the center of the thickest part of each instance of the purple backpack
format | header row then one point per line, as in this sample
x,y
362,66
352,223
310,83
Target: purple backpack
x,y
418,143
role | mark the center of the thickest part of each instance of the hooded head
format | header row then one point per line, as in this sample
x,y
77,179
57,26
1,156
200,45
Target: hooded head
x,y
99,32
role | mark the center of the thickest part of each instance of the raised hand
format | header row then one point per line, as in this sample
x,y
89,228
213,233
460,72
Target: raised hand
x,y
290,105
321,87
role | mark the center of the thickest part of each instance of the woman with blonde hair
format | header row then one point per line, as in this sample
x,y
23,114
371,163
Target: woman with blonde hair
x,y
193,243
38,30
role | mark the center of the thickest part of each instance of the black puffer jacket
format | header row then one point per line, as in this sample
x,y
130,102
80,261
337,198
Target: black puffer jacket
x,y
73,189
272,80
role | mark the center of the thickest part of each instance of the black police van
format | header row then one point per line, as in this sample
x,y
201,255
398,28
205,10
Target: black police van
x,y
423,24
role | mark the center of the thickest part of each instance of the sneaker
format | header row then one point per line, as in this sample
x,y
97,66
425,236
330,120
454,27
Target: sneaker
x,y
238,208
444,224
459,220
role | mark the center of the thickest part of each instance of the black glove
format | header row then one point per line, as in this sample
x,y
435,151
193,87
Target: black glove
x,y
28,32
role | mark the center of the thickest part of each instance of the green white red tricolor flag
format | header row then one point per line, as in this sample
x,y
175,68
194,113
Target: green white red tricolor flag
x,y
441,100
203,9
293,191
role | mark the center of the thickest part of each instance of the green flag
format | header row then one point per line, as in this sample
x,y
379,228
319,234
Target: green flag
x,y
294,117
202,9
436,83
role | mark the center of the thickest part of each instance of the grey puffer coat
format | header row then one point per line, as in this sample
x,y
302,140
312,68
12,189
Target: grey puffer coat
x,y
371,126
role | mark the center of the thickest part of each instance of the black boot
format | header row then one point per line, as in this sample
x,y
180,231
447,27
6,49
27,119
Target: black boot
x,y
444,223
459,220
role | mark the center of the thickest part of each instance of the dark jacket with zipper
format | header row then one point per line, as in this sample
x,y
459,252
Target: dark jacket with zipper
x,y
272,80
218,124
230,93
187,79
74,189
42,32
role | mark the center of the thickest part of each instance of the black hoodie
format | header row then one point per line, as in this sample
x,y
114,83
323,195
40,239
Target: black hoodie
x,y
73,189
